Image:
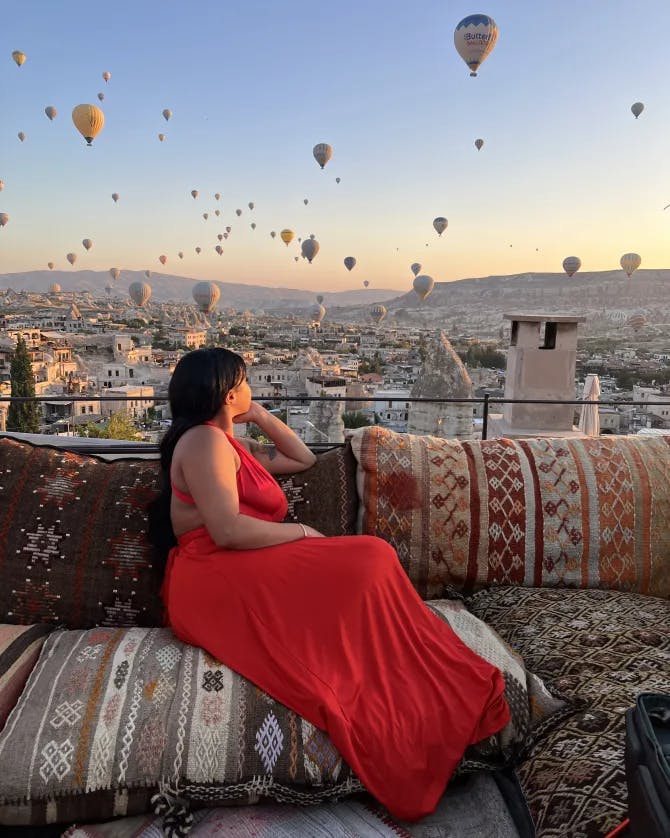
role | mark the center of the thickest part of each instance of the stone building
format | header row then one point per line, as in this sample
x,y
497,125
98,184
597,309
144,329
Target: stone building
x,y
442,375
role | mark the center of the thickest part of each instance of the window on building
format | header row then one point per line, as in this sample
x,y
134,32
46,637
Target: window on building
x,y
118,347
90,408
83,409
549,337
131,373
116,373
109,373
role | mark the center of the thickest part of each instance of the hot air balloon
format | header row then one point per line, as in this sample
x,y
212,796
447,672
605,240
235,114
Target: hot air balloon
x,y
162,258
109,289
220,236
287,236
89,121
106,75
305,201
415,267
217,196
54,288
19,57
161,137
101,96
217,212
378,313
205,215
322,153
225,235
637,322
253,225
637,108
219,249
299,240
295,258
366,282
440,224
349,262
423,285
115,273
474,39
198,250
479,144
206,295
51,112
238,212
273,234
21,135
228,229
194,194
319,298
317,313
71,258
50,265
181,254
630,262
139,293
4,219
571,264
115,196
88,244
337,179
2,186
167,113
147,273
309,249
251,205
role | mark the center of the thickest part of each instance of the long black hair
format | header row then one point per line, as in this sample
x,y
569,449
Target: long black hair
x,y
198,388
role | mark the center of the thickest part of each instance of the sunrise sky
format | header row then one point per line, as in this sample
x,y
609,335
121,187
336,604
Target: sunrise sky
x,y
253,84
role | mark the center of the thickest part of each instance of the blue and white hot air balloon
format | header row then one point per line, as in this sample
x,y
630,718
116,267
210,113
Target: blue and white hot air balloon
x,y
474,38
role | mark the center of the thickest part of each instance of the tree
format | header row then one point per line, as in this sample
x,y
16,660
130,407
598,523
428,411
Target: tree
x,y
22,416
119,426
355,419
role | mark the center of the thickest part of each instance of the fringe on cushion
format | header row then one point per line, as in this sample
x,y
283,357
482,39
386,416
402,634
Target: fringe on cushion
x,y
175,810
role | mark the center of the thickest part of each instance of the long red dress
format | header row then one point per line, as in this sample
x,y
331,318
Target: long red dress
x,y
333,629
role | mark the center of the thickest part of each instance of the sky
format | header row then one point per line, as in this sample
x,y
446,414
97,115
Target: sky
x,y
253,84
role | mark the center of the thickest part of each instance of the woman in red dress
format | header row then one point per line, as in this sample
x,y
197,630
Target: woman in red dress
x,y
329,627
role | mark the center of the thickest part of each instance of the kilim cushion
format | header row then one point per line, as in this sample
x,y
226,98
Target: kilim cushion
x,y
73,547
20,647
581,513
600,648
110,715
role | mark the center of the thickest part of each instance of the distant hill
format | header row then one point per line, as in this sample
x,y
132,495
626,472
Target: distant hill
x,y
168,287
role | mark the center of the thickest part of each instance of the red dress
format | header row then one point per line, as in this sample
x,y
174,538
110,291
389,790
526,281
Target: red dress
x,y
333,629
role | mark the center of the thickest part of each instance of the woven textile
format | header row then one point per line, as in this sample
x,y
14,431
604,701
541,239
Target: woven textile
x,y
600,648
73,547
20,647
112,712
586,513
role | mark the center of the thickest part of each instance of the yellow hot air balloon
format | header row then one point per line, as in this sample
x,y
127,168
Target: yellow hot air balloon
x,y
71,258
4,219
106,75
322,153
167,113
287,236
474,38
21,135
630,262
89,121
19,57
51,112
88,244
162,258
50,265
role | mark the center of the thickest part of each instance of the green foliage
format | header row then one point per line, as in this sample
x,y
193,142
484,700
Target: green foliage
x,y
22,416
119,426
373,365
481,355
355,419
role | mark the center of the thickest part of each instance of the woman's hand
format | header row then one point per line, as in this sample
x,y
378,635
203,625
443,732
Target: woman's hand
x,y
254,413
310,532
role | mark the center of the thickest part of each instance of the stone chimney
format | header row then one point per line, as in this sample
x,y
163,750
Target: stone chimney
x,y
324,422
443,375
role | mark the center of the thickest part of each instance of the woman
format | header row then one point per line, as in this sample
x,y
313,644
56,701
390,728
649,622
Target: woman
x,y
330,627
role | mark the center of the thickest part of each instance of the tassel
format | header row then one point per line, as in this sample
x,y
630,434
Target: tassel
x,y
176,811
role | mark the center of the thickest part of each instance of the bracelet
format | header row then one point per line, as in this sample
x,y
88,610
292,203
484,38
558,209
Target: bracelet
x,y
304,531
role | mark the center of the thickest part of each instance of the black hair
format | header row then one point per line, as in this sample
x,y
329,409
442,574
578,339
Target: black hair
x,y
198,388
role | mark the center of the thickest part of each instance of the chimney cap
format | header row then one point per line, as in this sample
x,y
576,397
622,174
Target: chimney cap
x,y
542,318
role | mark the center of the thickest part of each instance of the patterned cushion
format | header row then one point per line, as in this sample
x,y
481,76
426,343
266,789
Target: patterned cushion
x,y
117,713
73,547
601,648
20,647
586,513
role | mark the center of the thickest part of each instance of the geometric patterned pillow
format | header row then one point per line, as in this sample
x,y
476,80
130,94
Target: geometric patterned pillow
x,y
110,716
20,647
532,707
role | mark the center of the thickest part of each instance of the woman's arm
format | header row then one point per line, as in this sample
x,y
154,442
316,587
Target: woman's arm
x,y
287,453
208,465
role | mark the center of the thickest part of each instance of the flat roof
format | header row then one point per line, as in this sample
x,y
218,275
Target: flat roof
x,y
535,317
